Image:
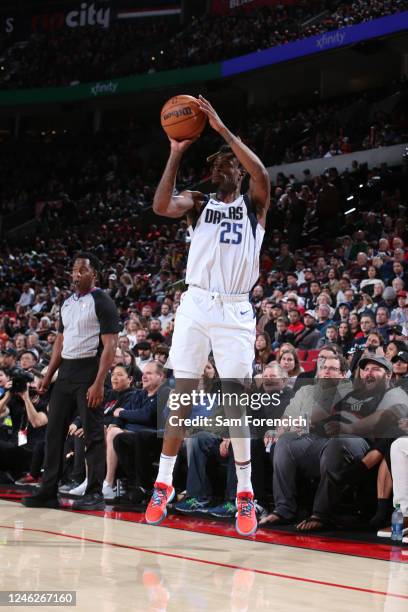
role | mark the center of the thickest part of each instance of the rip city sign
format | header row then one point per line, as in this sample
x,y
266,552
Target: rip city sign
x,y
85,15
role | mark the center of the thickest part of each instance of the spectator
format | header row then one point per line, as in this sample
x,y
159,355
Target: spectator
x,y
165,315
309,338
28,359
399,465
323,318
263,352
140,414
400,367
382,317
144,354
282,333
25,454
289,361
27,296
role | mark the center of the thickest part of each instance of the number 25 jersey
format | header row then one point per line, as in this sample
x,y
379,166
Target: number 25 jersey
x,y
225,246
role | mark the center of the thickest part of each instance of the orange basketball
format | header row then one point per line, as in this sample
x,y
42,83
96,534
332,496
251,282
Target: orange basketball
x,y
182,119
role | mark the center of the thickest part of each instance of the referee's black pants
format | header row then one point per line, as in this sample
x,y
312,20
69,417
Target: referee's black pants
x,y
68,398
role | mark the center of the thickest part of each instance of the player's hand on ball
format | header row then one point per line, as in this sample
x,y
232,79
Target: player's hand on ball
x,y
213,117
180,146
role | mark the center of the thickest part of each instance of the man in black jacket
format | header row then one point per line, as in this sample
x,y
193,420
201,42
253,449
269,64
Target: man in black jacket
x,y
124,444
308,339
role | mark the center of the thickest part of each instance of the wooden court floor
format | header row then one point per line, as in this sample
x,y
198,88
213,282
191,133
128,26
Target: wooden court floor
x,y
116,565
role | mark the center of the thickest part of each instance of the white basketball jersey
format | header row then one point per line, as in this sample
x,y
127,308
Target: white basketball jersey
x,y
225,246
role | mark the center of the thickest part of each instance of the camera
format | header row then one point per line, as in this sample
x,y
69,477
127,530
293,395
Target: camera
x,y
20,379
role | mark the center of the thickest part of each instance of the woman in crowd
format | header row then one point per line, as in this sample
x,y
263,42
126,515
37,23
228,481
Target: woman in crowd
x,y
289,361
263,352
354,324
345,337
122,389
394,347
131,326
367,305
400,369
333,281
373,278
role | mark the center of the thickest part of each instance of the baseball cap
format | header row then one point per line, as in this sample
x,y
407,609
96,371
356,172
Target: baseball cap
x,y
10,352
396,329
311,313
382,361
402,293
400,356
344,304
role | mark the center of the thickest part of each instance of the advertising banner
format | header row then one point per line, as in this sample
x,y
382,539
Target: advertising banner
x,y
223,7
326,41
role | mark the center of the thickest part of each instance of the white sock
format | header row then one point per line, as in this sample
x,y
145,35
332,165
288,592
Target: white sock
x,y
242,454
166,468
244,478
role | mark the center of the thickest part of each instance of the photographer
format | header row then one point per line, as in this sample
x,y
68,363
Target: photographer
x,y
25,451
15,382
4,411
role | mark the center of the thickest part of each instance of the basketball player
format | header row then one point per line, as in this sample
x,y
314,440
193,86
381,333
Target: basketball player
x,y
215,314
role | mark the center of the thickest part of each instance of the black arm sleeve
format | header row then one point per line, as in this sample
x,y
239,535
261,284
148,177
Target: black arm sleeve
x,y
106,312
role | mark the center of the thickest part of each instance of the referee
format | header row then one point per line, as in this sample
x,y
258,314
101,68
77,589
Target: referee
x,y
83,353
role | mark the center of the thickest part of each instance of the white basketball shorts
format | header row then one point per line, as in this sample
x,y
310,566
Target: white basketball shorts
x,y
209,321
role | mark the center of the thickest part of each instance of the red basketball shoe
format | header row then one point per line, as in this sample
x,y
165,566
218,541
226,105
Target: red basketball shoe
x,y
156,511
246,523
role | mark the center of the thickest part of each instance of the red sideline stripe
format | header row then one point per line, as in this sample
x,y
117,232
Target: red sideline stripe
x,y
357,548
217,563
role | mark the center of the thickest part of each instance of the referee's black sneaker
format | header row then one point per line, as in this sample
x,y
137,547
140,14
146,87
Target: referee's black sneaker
x,y
89,501
42,499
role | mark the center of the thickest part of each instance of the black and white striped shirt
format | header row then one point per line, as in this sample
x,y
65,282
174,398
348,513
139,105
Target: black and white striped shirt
x,y
83,319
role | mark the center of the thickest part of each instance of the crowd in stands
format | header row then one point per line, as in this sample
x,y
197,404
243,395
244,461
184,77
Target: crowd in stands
x,y
374,119
332,291
92,54
115,169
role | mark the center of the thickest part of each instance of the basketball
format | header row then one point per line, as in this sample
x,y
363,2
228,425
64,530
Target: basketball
x,y
182,119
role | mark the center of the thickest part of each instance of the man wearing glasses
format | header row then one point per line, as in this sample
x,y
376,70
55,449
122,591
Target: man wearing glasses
x,y
342,432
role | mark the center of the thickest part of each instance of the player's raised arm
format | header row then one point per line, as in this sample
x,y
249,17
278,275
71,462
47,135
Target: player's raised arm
x,y
259,186
164,202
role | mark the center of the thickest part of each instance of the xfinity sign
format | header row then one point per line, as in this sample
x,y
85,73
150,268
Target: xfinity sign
x,y
85,15
104,88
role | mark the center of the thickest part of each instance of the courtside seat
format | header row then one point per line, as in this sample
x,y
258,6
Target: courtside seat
x,y
312,355
308,366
